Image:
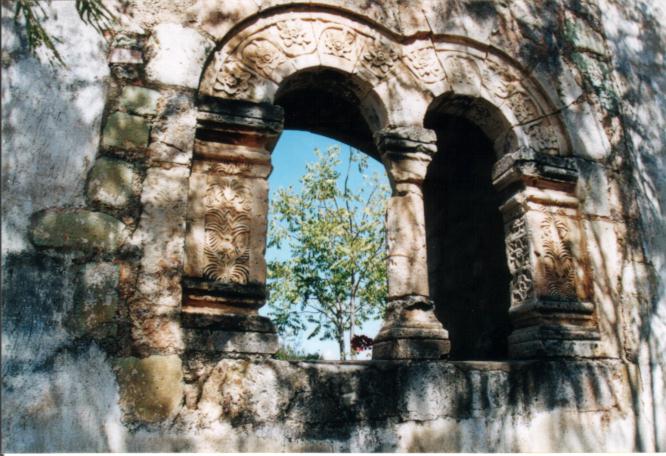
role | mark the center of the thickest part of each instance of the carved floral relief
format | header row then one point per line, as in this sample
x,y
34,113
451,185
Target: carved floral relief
x,y
543,137
263,55
296,37
425,65
558,260
338,42
518,256
461,70
230,168
233,80
380,59
227,228
497,79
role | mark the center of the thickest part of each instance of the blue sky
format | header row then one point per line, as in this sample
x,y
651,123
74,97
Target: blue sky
x,y
292,152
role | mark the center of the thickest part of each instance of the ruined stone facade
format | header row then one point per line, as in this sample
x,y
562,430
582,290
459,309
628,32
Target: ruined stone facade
x,y
524,144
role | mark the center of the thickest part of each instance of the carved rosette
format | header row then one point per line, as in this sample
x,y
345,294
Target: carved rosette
x,y
522,105
296,37
263,56
233,81
380,58
543,137
339,42
461,70
425,65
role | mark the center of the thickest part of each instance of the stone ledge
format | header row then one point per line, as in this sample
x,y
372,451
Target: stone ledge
x,y
348,393
221,341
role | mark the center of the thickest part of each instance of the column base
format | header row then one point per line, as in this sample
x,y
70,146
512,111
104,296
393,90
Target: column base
x,y
411,331
241,334
555,341
411,349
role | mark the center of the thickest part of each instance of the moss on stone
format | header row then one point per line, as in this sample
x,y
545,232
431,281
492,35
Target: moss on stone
x,y
139,100
125,131
112,183
151,389
77,229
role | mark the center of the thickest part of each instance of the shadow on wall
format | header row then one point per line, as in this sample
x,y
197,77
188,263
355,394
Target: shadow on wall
x,y
434,406
50,120
637,38
58,395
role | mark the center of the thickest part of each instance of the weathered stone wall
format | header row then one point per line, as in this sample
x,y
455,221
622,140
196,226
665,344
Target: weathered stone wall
x,y
96,160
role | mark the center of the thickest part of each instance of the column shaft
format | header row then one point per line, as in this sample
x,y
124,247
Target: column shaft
x,y
411,330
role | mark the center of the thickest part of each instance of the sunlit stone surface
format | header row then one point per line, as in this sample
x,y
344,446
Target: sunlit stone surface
x,y
134,201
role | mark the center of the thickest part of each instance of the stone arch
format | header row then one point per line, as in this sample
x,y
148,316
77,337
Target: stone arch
x,y
253,63
397,81
254,60
493,92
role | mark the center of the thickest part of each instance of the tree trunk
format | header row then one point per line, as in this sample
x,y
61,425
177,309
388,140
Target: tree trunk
x,y
341,344
352,352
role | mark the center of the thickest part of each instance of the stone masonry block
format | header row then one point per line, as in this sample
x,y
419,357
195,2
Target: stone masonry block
x,y
139,100
113,183
96,298
176,55
151,388
77,229
125,131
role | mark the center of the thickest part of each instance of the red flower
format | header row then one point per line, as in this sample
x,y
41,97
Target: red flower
x,y
361,342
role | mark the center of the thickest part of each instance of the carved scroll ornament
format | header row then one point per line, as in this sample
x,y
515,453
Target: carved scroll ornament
x,y
227,227
518,255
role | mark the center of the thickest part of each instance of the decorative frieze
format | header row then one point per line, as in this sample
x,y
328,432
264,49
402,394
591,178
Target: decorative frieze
x,y
254,64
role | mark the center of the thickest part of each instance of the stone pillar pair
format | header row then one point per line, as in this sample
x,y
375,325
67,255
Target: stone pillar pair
x,y
225,269
551,309
224,282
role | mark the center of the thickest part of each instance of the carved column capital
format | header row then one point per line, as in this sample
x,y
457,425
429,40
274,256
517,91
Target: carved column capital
x,y
406,153
535,169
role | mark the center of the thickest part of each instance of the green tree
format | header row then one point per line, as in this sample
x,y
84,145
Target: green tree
x,y
335,277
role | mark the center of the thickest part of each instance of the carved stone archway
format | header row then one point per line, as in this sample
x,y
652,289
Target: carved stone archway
x,y
396,79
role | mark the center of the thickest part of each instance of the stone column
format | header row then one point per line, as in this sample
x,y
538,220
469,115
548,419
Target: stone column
x,y
224,283
411,330
551,309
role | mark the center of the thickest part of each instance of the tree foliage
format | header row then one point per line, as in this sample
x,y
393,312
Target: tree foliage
x,y
30,14
335,277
